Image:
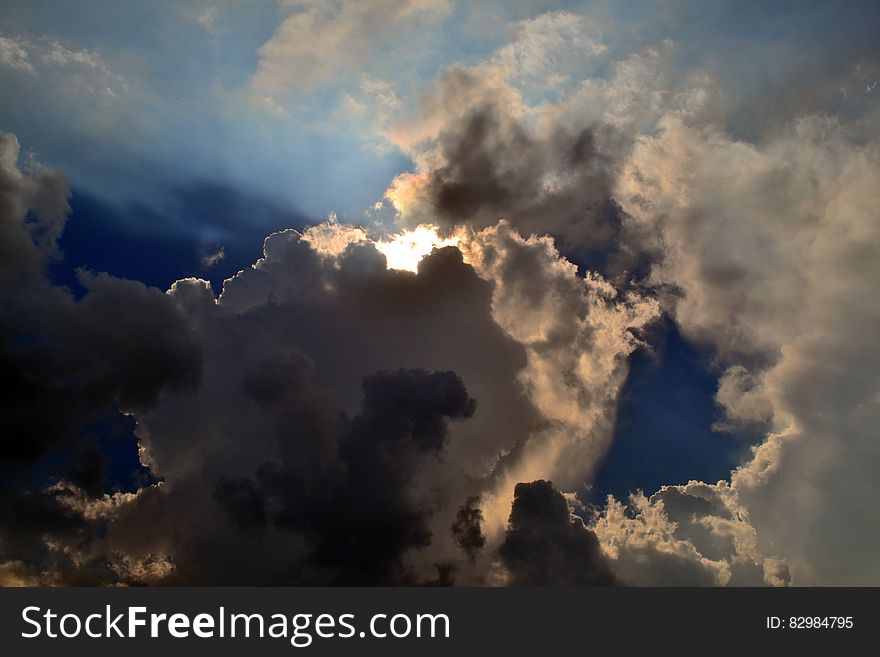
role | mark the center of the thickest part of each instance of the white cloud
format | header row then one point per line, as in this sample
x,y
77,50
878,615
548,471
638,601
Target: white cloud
x,y
80,68
578,333
775,249
332,239
548,49
321,42
14,55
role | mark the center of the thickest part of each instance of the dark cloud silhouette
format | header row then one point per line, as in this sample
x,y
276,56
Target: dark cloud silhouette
x,y
67,362
243,502
467,528
118,346
546,546
371,518
356,513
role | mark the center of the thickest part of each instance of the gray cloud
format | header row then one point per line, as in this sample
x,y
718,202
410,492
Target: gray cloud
x,y
68,362
772,249
488,164
545,545
346,412
355,512
761,251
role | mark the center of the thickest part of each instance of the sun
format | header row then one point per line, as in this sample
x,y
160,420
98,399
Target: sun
x,y
405,250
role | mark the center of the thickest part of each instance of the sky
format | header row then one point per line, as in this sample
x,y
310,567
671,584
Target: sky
x,y
410,292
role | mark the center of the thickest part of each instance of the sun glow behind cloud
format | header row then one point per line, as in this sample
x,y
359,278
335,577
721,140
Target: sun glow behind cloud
x,y
405,250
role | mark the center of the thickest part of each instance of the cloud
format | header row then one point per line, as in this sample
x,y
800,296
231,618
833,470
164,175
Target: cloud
x,y
541,349
332,239
326,419
762,251
485,149
46,56
355,514
548,49
770,253
370,111
488,164
545,545
13,55
339,392
18,574
323,41
211,21
62,353
467,528
399,405
214,257
691,535
578,333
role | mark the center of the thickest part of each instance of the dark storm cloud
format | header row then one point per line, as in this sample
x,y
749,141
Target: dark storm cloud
x,y
244,503
33,208
344,484
324,420
346,413
116,348
359,517
67,362
546,546
495,168
467,528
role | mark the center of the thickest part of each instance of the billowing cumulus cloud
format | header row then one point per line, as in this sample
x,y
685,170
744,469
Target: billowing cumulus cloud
x,y
546,546
388,403
323,378
577,333
773,251
691,535
763,252
487,163
486,150
366,422
328,419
